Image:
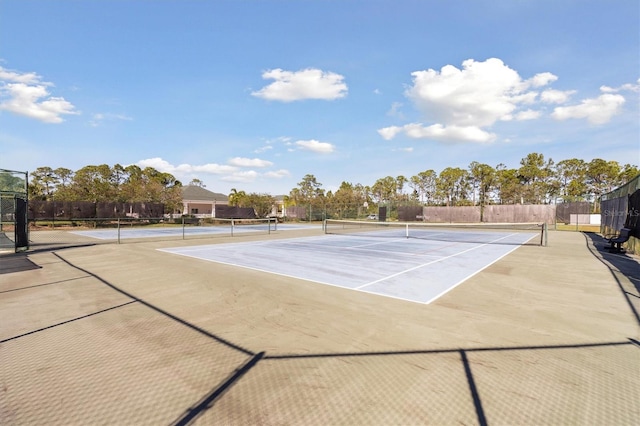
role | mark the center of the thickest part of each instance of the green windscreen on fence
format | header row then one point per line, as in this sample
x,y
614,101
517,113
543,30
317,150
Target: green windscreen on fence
x,y
620,208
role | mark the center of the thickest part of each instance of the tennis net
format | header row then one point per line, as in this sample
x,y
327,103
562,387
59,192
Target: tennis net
x,y
477,233
244,225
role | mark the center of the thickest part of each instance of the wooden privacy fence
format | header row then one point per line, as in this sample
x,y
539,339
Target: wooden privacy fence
x,y
539,213
462,214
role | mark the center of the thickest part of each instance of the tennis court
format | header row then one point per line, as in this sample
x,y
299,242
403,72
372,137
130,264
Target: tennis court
x,y
378,258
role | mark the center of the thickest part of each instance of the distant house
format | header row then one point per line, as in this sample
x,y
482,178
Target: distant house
x,y
278,210
199,202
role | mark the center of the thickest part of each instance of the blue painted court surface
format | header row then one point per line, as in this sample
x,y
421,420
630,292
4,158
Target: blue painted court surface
x,y
177,231
416,270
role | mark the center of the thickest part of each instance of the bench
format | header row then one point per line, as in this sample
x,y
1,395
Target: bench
x,y
616,242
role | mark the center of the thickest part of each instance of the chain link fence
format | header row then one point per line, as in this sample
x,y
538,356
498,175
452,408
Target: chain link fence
x,y
61,224
47,234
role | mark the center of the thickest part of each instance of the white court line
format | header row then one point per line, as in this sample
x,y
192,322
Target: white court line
x,y
362,247
394,240
254,268
434,261
377,243
297,277
442,293
387,252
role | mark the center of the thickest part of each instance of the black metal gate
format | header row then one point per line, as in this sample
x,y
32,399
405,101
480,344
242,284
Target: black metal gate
x,y
21,228
382,214
14,228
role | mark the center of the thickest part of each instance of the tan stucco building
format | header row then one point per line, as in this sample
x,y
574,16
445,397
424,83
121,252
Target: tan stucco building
x,y
200,202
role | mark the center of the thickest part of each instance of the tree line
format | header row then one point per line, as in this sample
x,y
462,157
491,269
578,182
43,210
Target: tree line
x,y
537,180
104,183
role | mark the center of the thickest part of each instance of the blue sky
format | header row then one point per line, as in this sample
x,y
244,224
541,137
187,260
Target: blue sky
x,y
254,95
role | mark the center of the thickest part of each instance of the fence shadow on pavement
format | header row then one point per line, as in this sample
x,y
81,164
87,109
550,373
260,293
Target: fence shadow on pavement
x,y
624,267
470,360
16,263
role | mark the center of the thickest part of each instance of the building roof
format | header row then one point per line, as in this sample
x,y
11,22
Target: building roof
x,y
198,193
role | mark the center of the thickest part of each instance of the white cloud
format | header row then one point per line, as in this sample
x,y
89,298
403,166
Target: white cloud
x,y
464,103
451,133
249,162
278,174
394,111
26,94
552,96
628,86
212,168
186,169
479,94
526,98
439,132
99,118
25,78
226,172
246,176
390,132
270,143
541,79
157,163
597,110
263,149
316,146
528,115
309,83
